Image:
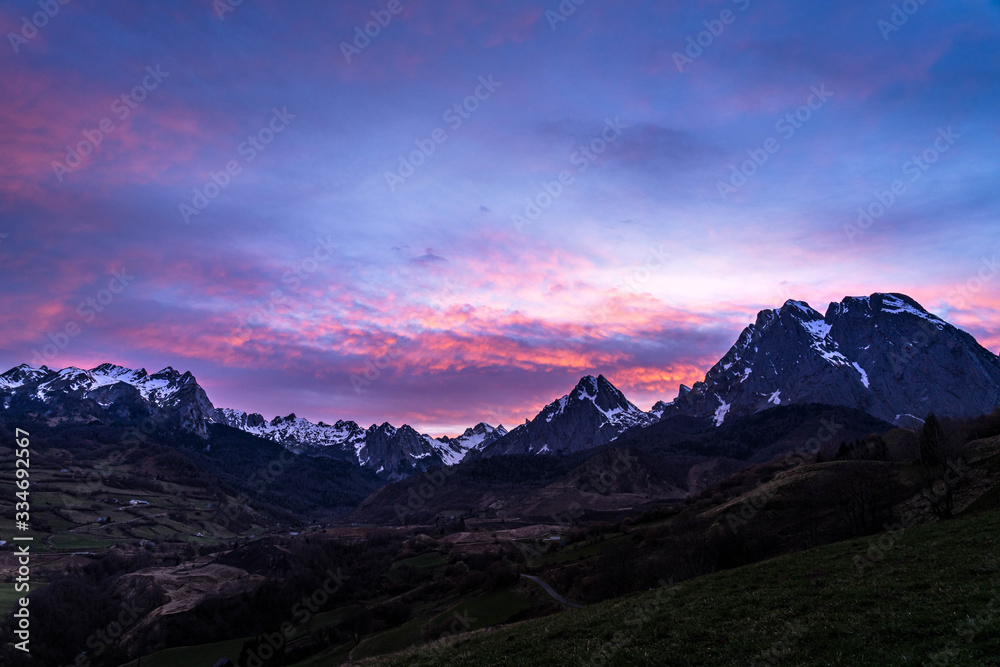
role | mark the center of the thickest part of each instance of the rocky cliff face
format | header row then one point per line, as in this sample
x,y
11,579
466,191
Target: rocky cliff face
x,y
109,391
591,415
883,354
393,453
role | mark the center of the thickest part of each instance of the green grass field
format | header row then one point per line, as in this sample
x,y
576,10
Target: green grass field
x,y
189,656
406,635
470,614
576,552
335,656
421,563
8,598
73,541
934,598
208,654
488,610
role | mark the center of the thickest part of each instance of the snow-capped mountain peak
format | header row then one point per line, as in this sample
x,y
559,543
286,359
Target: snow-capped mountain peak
x,y
392,452
21,375
883,353
108,384
592,414
476,437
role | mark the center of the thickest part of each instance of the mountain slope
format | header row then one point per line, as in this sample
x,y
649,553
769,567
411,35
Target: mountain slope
x,y
804,428
393,453
111,390
591,415
883,354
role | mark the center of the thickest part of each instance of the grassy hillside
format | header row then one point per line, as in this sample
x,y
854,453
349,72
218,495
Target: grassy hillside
x,y
932,599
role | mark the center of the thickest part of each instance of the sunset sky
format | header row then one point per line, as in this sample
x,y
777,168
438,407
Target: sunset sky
x,y
484,201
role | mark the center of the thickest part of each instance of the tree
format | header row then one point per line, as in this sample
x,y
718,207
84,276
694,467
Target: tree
x,y
252,654
935,451
862,494
357,624
931,442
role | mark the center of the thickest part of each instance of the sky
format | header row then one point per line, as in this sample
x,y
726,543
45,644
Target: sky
x,y
445,213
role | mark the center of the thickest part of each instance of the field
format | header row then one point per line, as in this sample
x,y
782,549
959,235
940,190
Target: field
x,y
80,508
932,598
461,616
8,598
206,654
420,564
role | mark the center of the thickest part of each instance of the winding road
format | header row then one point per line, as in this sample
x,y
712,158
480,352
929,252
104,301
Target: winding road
x,y
555,596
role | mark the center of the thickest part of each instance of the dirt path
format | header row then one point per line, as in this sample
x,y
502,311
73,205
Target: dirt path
x,y
555,596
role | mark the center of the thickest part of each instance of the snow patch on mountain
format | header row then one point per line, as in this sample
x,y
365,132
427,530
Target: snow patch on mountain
x,y
893,305
823,343
21,375
864,375
882,353
159,388
721,412
357,443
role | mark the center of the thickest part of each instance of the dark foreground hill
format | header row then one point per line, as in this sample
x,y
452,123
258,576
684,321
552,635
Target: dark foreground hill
x,y
933,599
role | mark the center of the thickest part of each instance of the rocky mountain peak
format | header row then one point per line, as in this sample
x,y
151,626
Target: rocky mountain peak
x,y
591,415
883,353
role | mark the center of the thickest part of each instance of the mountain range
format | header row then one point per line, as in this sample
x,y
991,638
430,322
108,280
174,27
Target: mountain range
x,y
883,354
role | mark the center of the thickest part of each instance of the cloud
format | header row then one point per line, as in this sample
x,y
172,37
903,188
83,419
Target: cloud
x,y
429,257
